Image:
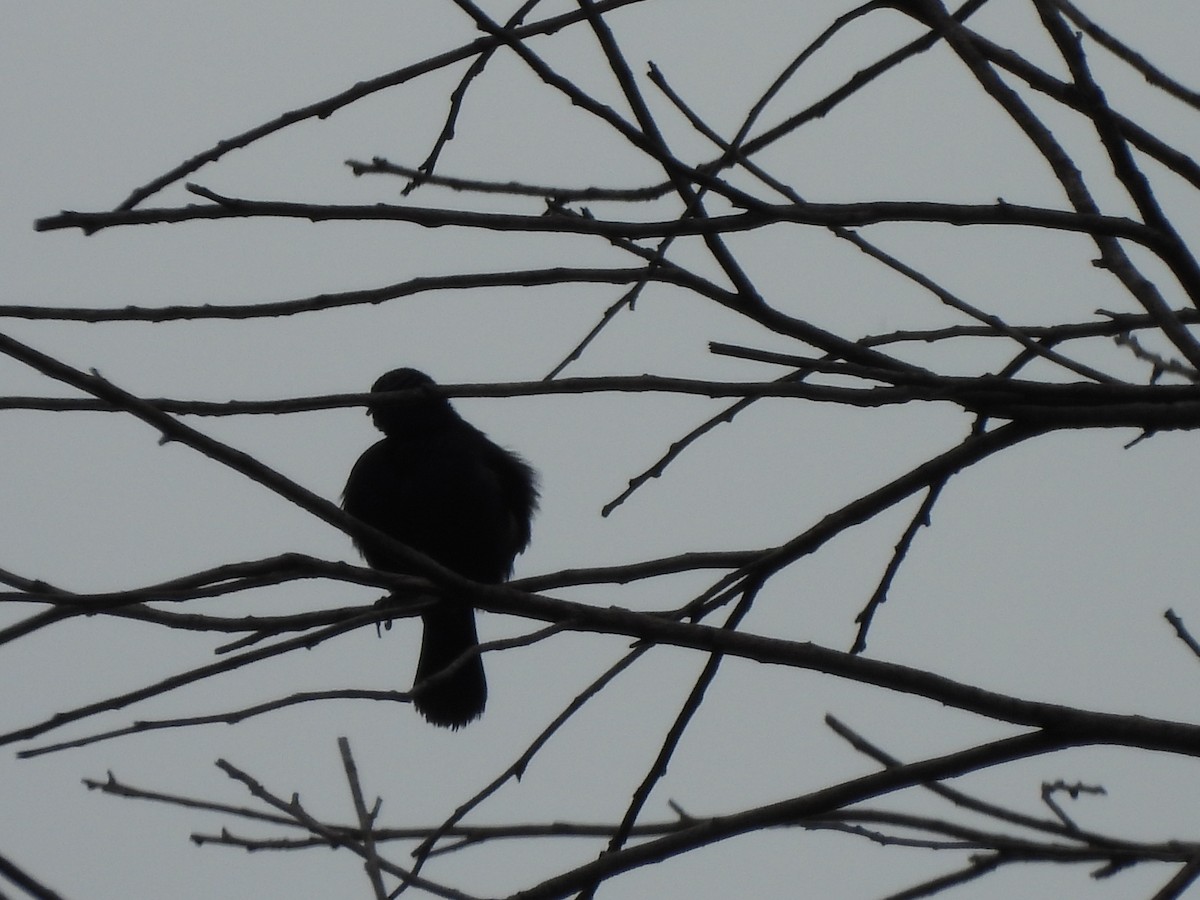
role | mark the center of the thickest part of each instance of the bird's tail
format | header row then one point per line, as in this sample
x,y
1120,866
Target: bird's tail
x,y
459,697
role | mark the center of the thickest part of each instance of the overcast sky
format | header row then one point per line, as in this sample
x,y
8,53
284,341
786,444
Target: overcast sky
x,y
1045,574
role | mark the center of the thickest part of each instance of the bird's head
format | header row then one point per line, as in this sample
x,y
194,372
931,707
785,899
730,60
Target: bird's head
x,y
421,408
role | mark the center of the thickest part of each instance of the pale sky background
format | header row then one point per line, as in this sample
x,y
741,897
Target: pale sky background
x,y
1045,574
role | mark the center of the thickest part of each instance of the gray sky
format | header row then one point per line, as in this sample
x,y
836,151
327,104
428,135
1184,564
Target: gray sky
x,y
1045,574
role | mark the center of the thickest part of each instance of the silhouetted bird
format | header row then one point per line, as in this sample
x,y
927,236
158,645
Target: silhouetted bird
x,y
439,485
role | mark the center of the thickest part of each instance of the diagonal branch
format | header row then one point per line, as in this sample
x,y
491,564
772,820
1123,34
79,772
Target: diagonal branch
x,y
323,109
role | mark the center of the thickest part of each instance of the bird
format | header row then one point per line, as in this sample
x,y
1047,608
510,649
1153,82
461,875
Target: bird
x,y
440,485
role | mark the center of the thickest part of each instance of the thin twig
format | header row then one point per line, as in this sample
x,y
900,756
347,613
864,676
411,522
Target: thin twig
x,y
366,820
457,97
322,109
227,718
518,767
921,519
675,734
1123,51
1182,631
976,868
334,837
559,193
